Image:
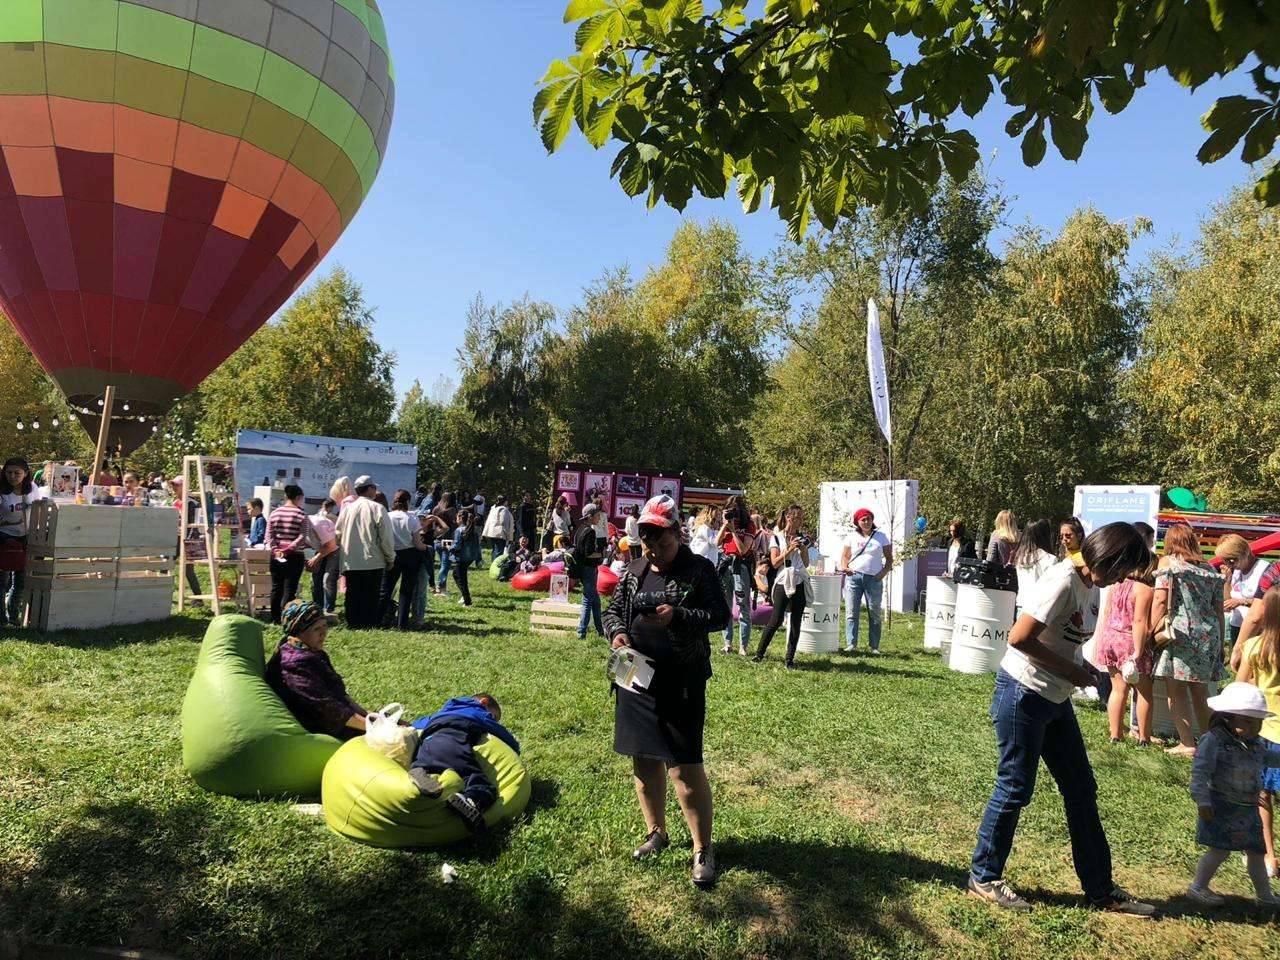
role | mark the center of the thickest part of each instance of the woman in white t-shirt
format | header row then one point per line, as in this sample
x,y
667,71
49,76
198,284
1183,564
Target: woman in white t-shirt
x,y
789,555
1034,720
17,494
1032,558
866,558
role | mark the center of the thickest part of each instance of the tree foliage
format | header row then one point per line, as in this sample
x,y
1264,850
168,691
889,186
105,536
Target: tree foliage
x,y
1003,369
1204,392
420,421
808,99
665,372
29,397
1031,408
498,424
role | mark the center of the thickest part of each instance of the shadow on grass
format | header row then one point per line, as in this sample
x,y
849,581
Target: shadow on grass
x,y
1236,910
177,627
851,890
460,628
867,667
169,880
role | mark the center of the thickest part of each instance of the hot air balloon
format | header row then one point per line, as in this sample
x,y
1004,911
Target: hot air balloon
x,y
171,171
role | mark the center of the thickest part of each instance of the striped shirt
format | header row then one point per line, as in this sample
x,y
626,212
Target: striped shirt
x,y
287,529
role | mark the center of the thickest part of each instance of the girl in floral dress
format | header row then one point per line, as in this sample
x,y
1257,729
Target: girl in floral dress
x,y
1190,592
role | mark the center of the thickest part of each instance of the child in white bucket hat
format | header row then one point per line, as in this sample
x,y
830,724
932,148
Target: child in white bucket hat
x,y
1226,783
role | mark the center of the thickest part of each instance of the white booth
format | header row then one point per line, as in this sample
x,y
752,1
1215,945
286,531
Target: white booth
x,y
894,503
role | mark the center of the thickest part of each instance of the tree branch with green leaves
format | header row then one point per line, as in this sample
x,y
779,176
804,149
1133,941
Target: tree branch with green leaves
x,y
805,102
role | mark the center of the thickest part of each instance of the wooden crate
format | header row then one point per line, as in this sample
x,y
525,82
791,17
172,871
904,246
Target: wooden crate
x,y
94,566
255,580
69,603
554,616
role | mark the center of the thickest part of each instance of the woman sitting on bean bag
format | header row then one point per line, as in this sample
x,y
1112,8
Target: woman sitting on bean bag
x,y
303,677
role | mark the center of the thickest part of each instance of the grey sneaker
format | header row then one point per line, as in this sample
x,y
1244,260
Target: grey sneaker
x,y
1121,901
426,783
1269,900
998,892
704,867
654,843
1205,896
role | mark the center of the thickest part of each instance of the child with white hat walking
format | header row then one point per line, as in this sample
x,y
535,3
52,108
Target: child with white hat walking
x,y
1226,782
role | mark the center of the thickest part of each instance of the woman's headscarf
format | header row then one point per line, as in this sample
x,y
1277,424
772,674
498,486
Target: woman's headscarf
x,y
299,616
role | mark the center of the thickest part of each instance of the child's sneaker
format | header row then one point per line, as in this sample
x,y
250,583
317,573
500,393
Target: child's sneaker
x,y
997,892
466,808
1205,896
426,783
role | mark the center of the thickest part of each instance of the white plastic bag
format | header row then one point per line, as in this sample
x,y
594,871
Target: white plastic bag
x,y
383,733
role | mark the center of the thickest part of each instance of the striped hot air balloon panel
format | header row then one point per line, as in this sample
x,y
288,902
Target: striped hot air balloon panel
x,y
172,170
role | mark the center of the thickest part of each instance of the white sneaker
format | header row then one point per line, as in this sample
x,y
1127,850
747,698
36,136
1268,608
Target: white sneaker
x,y
1205,896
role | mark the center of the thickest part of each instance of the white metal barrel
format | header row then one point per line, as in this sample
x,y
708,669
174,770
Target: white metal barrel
x,y
983,621
820,628
939,612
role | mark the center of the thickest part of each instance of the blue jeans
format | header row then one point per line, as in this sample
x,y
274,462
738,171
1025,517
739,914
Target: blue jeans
x,y
446,564
738,584
424,587
1030,728
590,601
857,586
499,548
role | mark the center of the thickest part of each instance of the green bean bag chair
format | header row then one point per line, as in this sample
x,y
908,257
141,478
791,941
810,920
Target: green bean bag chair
x,y
369,797
495,568
238,737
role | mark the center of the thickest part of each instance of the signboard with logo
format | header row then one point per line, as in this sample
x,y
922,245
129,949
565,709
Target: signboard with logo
x,y
314,463
1096,506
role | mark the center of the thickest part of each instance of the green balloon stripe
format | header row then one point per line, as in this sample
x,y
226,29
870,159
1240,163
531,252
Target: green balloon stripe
x,y
80,74
181,45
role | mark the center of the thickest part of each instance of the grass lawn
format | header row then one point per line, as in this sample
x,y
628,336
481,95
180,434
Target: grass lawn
x,y
847,794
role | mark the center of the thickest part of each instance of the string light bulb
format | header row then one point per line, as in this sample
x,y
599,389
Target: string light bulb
x,y
21,425
35,424
56,423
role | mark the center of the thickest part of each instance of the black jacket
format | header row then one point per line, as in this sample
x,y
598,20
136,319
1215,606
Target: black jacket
x,y
586,546
693,589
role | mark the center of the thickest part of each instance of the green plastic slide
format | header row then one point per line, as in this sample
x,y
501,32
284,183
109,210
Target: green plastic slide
x,y
238,737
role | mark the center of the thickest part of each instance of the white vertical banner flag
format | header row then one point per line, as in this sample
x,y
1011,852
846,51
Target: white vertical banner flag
x,y
875,368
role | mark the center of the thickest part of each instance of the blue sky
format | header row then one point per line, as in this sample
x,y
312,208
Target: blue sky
x,y
468,201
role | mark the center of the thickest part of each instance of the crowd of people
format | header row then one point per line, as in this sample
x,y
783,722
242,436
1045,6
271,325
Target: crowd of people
x,y
1177,619
1174,620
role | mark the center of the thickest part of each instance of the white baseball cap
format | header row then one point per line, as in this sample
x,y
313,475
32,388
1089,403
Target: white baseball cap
x,y
1243,699
364,481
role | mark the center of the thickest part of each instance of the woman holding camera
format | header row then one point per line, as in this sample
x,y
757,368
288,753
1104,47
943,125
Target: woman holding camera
x,y
665,605
789,555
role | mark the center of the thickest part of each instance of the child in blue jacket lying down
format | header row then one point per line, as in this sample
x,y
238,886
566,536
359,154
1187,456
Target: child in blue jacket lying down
x,y
449,737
